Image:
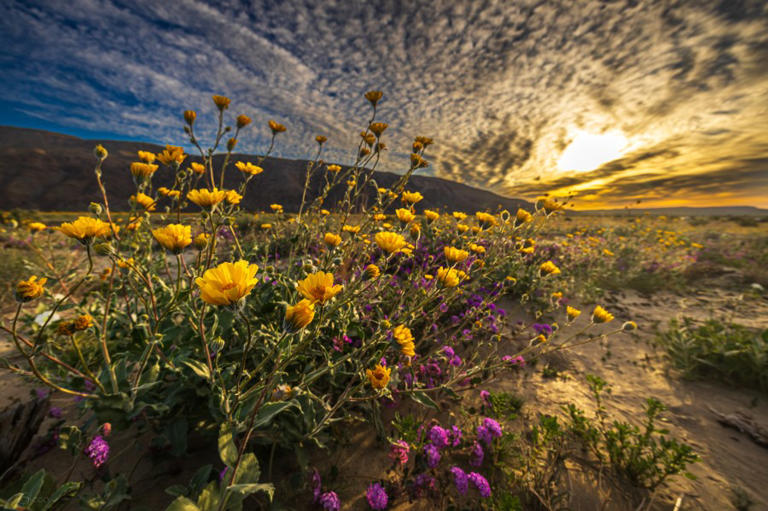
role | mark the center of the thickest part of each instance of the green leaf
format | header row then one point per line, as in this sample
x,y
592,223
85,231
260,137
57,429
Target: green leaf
x,y
249,489
423,399
182,504
68,489
177,436
199,368
227,447
249,470
32,487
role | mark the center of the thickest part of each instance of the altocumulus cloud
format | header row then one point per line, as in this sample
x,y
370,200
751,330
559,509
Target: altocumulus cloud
x,y
501,86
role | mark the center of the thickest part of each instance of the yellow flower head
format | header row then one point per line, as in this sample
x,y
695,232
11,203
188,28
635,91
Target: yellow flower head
x,y
333,168
319,287
390,242
173,237
455,255
600,315
125,263
277,208
549,205
190,116
379,217
221,102
30,289
85,229
243,121
171,155
523,216
147,156
431,215
486,219
205,198
82,322
448,277
608,252
404,215
201,240
36,226
100,152
233,197
325,212
379,376
231,143
411,197
371,272
227,283
462,228
352,229
458,215
477,249
298,316
548,268
320,139
142,170
197,168
332,240
374,96
276,127
266,227
403,336
248,168
143,200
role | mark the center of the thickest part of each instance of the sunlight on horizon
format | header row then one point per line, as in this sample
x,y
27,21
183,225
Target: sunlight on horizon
x,y
588,151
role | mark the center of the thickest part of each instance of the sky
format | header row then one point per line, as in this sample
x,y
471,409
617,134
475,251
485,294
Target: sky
x,y
613,102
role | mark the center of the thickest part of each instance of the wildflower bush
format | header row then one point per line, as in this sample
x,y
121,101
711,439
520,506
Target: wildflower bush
x,y
713,349
189,317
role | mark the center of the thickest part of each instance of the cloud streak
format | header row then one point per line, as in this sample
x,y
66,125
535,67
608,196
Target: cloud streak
x,y
502,87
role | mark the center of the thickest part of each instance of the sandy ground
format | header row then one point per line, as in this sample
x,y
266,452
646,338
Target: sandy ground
x,y
637,370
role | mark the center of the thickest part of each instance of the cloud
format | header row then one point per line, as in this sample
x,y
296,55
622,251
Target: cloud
x,y
502,87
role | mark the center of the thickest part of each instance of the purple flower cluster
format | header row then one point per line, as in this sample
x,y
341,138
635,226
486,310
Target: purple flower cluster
x,y
377,497
488,430
481,483
460,480
439,437
433,455
542,328
98,451
399,452
330,501
477,455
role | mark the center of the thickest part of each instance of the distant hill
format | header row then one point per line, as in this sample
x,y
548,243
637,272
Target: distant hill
x,y
681,211
54,172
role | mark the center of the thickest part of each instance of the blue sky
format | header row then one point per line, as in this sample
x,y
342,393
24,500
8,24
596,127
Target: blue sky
x,y
678,90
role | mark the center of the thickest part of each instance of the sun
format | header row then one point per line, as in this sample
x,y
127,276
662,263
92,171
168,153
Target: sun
x,y
588,151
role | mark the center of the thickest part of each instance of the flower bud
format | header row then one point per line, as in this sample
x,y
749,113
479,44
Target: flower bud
x,y
190,116
95,208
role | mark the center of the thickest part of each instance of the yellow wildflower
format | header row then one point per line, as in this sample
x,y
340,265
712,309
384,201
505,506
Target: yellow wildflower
x,y
333,168
190,116
319,287
276,127
332,240
143,200
201,240
85,229
205,198
431,215
390,242
523,216
404,215
548,268
30,289
486,219
455,255
352,229
243,121
600,315
298,316
403,336
233,197
458,215
227,283
221,102
448,277
277,208
173,237
248,168
379,377
411,197
374,96
197,168
172,155
371,271
477,249
82,322
143,170
147,156
36,226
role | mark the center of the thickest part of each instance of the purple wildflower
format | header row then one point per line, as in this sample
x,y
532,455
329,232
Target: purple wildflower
x,y
488,430
42,393
377,497
433,455
330,501
438,436
455,436
477,455
223,473
542,328
460,480
399,452
55,412
98,451
455,361
484,395
481,483
448,351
